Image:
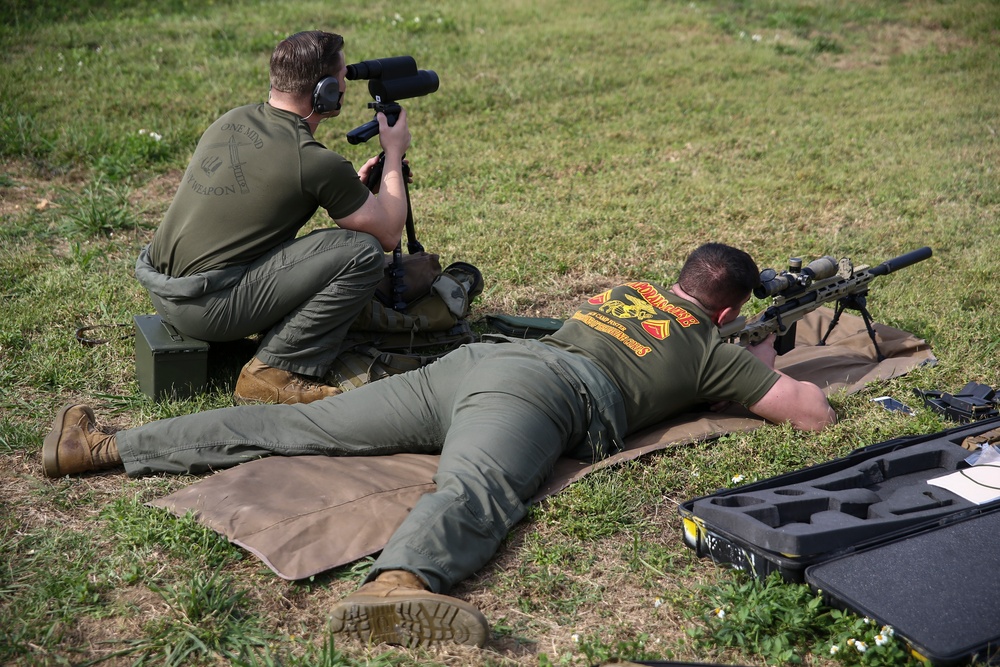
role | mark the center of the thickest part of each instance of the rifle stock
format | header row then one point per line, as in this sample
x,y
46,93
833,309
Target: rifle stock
x,y
802,294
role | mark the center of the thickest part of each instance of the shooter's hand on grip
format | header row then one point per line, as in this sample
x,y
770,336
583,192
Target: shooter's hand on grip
x,y
765,350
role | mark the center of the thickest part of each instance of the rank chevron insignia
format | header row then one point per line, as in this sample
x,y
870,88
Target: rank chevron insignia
x,y
658,329
599,299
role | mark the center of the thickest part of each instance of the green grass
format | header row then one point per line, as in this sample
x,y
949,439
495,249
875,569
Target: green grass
x,y
572,143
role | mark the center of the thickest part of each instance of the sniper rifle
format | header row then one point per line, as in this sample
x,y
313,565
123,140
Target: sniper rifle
x,y
800,290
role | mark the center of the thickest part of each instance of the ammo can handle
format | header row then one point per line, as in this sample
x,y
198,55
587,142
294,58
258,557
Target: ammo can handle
x,y
174,334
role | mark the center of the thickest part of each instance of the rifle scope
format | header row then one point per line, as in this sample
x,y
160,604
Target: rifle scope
x,y
772,282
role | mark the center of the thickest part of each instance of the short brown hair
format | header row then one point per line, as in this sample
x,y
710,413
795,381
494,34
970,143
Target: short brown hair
x,y
719,276
301,60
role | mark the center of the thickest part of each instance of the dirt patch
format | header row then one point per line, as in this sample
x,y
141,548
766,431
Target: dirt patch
x,y
893,40
152,198
23,188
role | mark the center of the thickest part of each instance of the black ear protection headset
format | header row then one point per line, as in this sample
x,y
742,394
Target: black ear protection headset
x,y
327,96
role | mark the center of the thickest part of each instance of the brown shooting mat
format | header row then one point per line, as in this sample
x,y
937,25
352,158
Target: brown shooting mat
x,y
307,514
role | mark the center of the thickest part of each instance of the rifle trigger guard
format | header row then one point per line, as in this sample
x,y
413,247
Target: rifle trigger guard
x,y
781,325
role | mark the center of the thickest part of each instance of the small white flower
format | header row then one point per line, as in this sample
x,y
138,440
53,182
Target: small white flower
x,y
888,631
868,621
658,602
861,646
720,612
738,478
834,649
881,640
156,136
575,637
756,38
416,19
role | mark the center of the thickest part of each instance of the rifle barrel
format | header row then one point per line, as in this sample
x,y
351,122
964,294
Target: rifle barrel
x,y
901,262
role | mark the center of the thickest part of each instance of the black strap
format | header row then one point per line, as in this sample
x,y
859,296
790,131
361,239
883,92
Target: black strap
x,y
87,341
965,474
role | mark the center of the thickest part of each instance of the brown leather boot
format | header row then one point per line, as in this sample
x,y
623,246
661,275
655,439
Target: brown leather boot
x,y
260,383
398,609
77,444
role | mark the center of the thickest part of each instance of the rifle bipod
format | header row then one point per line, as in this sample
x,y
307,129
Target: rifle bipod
x,y
858,302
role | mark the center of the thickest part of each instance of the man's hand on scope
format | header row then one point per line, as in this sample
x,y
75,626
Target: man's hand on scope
x,y
394,139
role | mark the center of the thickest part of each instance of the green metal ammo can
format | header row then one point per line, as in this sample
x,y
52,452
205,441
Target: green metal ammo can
x,y
168,363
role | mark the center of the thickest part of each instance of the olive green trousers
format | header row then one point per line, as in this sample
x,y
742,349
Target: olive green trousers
x,y
302,295
499,415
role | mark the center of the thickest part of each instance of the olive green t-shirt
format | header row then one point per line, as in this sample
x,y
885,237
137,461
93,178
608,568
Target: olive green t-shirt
x,y
257,176
662,352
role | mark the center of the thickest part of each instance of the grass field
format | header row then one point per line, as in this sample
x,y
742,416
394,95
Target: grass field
x,y
572,143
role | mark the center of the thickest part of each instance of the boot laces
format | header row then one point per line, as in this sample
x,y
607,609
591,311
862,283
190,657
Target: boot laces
x,y
304,383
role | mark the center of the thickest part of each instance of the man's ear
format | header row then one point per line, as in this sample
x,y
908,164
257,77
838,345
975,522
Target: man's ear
x,y
724,316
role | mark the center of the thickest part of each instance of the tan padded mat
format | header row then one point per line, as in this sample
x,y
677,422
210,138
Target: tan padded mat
x,y
307,514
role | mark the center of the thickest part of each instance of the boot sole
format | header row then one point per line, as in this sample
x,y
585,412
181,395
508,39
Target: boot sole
x,y
50,446
420,620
